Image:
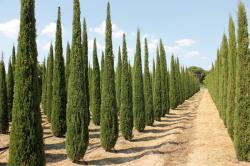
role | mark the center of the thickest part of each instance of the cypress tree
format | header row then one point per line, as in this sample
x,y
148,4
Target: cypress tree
x,y
102,68
10,89
49,80
77,135
224,54
149,108
13,60
231,78
126,112
157,89
58,114
85,66
67,68
173,84
4,123
242,111
26,138
164,84
44,85
138,93
118,80
96,91
109,119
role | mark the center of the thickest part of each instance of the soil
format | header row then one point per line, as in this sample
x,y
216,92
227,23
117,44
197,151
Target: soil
x,y
192,134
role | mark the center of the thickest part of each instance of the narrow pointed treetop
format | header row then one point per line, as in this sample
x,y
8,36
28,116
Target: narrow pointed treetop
x,y
26,138
77,135
10,89
13,56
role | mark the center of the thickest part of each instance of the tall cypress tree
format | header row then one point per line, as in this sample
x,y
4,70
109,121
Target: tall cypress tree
x,y
164,84
157,89
67,68
10,89
4,123
242,111
49,80
102,68
126,112
149,108
118,80
13,60
96,88
77,135
58,114
109,119
231,78
85,66
44,85
224,54
173,84
138,93
26,138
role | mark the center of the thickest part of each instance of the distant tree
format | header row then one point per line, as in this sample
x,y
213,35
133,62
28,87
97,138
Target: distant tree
x,y
4,123
96,91
67,68
49,79
118,80
26,138
77,135
58,114
44,86
10,89
173,84
109,119
148,92
157,89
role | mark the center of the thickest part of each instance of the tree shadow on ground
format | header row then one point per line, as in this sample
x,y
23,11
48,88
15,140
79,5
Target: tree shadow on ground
x,y
56,146
150,138
54,158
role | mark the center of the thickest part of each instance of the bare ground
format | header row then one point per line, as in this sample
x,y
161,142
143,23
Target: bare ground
x,y
192,134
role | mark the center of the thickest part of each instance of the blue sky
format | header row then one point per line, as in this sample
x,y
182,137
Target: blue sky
x,y
192,29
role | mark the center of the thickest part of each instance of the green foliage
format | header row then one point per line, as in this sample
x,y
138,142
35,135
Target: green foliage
x,y
67,67
10,89
26,138
4,123
242,111
109,119
96,88
118,80
126,111
199,73
44,85
138,93
58,114
85,67
49,79
148,92
232,53
157,89
173,84
77,135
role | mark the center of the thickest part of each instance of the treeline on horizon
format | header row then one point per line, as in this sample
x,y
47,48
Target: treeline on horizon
x,y
72,94
229,83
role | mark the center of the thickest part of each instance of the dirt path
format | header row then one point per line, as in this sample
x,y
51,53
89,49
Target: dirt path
x,y
192,134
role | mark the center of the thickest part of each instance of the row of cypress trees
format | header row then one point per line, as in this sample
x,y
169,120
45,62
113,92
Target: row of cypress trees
x,y
229,85
67,97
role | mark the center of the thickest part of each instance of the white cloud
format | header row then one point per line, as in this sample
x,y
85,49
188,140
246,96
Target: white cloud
x,y
152,45
193,54
46,46
185,42
10,28
116,31
50,29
